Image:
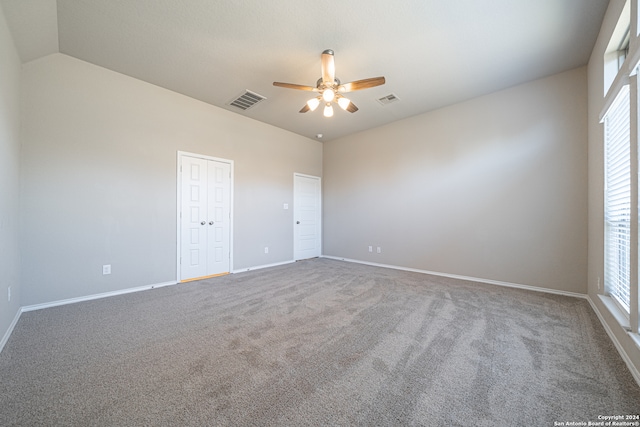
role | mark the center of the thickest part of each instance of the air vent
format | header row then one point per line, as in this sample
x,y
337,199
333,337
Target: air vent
x,y
385,100
247,100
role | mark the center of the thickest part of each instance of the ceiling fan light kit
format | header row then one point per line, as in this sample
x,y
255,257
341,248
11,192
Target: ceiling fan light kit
x,y
329,88
343,102
313,103
328,110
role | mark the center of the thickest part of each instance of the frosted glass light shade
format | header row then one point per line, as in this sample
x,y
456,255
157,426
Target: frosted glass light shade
x,y
328,110
344,103
313,103
328,95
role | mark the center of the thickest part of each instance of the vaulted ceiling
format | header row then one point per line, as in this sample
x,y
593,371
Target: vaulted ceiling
x,y
432,53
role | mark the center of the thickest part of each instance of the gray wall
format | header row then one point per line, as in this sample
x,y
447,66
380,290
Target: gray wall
x,y
493,188
99,179
9,177
596,178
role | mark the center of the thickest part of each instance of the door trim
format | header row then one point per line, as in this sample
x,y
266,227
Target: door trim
x,y
295,174
179,156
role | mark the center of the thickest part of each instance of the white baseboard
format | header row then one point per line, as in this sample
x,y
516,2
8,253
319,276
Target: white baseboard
x,y
616,343
7,334
472,279
34,307
259,267
94,296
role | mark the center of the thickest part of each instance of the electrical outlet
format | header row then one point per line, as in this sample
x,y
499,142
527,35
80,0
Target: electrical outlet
x,y
106,269
266,249
9,294
370,248
285,206
379,250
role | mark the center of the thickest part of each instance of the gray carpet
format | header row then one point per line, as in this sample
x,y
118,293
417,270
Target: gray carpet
x,y
314,343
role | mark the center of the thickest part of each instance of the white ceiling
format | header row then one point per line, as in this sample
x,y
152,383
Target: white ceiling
x,y
433,53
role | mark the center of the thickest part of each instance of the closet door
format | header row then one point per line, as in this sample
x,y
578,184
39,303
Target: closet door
x,y
218,217
193,218
205,221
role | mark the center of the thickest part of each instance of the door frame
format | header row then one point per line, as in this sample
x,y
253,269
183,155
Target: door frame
x,y
295,174
179,156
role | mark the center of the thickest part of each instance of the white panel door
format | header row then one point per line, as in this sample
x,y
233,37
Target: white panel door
x,y
193,225
205,220
307,217
218,209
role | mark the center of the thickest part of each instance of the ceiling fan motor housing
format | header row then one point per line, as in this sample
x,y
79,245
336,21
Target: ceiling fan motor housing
x,y
321,85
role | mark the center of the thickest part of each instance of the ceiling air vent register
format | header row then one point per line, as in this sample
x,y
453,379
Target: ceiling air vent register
x,y
386,100
247,100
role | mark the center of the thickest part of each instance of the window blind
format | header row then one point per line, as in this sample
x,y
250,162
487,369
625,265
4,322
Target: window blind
x,y
618,199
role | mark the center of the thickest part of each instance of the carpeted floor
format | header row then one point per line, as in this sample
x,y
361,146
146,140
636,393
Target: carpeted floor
x,y
318,342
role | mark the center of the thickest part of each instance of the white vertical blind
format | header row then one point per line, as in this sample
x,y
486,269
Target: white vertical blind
x,y
618,199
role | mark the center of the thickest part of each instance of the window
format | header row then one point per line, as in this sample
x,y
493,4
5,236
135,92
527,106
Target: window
x,y
620,116
623,49
617,210
618,48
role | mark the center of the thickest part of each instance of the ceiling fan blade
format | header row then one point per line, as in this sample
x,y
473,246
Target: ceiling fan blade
x,y
352,107
305,109
361,84
328,67
295,86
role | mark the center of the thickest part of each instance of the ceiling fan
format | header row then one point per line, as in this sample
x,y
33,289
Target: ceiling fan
x,y
330,89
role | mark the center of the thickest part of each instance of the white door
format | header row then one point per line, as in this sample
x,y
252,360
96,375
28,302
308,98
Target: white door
x,y
193,217
306,214
218,218
204,217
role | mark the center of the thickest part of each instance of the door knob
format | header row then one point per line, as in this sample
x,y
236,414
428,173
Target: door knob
x,y
203,223
297,222
210,222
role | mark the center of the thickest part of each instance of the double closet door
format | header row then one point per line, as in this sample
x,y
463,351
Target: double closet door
x,y
205,219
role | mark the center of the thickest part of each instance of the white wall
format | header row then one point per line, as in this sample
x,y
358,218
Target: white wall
x,y
493,188
9,177
596,178
99,179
